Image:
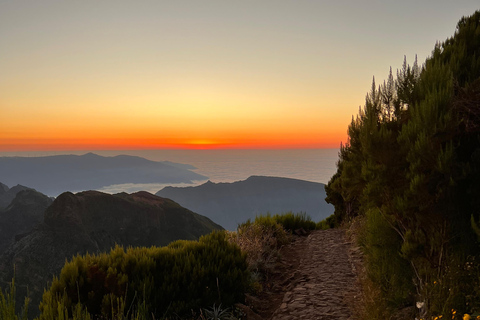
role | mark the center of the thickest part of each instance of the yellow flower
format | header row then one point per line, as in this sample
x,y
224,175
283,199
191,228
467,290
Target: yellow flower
x,y
466,316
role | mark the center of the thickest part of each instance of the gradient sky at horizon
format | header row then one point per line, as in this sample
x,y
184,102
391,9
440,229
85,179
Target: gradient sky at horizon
x,y
86,75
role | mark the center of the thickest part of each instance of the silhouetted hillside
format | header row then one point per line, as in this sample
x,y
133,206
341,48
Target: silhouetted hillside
x,y
56,174
8,194
94,222
22,215
231,203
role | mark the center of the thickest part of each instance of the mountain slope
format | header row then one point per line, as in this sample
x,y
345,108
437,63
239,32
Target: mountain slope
x,y
231,203
94,222
8,194
22,215
56,174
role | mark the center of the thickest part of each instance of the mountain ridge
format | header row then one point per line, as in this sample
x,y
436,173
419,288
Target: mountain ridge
x,y
8,194
56,174
23,213
231,203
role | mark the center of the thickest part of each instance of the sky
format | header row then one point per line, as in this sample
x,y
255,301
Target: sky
x,y
94,75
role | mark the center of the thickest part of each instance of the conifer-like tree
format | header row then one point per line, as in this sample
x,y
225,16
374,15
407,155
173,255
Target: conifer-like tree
x,y
410,171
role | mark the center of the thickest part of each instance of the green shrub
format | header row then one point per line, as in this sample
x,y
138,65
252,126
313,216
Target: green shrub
x,y
385,267
292,222
7,304
260,241
328,223
169,280
58,307
288,221
263,225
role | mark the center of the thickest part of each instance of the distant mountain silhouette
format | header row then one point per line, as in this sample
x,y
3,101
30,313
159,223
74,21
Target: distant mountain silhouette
x,y
53,175
94,222
232,203
23,213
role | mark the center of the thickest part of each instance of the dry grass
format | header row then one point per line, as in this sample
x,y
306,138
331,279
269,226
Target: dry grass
x,y
261,243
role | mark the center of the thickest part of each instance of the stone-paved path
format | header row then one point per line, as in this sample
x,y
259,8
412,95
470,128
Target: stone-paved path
x,y
320,280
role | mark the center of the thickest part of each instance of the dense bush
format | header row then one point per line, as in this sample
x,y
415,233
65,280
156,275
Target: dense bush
x,y
390,271
293,221
183,276
289,221
410,171
260,241
328,223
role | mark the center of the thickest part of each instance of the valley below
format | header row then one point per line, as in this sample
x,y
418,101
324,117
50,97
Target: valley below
x,y
40,233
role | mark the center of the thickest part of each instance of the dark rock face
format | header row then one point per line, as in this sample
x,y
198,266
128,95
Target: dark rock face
x,y
94,222
137,219
22,215
232,203
8,194
56,174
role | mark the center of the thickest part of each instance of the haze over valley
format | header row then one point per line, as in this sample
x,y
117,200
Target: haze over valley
x,y
56,174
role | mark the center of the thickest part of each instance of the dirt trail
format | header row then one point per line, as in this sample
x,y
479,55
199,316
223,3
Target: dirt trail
x,y
316,279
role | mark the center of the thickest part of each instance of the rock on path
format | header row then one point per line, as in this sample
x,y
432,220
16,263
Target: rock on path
x,y
322,283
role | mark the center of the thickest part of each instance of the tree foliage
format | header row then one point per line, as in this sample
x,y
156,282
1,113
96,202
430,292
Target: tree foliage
x,y
411,169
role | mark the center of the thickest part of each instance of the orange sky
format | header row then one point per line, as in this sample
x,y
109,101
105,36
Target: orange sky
x,y
95,75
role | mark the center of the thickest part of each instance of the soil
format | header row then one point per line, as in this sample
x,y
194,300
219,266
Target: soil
x,y
316,278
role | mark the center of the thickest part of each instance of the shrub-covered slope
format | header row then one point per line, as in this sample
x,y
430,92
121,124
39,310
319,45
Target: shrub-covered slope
x,y
158,282
410,171
94,222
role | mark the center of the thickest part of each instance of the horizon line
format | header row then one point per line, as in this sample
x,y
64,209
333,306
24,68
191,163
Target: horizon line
x,y
159,149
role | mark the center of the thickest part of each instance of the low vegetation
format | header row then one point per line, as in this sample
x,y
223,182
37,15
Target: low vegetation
x,y
163,282
293,221
8,310
328,223
185,280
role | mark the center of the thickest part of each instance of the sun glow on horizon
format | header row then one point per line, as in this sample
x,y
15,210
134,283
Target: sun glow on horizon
x,y
200,75
146,144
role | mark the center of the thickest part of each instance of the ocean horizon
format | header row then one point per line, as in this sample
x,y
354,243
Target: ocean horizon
x,y
222,165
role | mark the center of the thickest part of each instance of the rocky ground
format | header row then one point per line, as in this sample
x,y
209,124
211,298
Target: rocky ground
x,y
316,278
